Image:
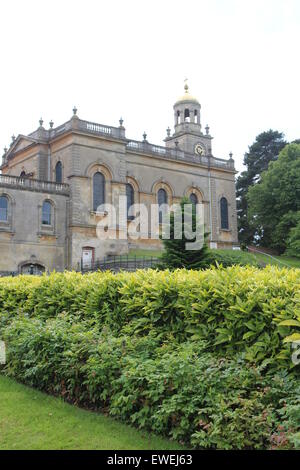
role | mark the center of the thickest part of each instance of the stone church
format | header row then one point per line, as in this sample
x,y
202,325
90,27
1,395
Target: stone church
x,y
53,180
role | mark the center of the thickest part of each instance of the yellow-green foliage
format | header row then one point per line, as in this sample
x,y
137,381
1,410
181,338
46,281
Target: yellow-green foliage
x,y
203,357
244,309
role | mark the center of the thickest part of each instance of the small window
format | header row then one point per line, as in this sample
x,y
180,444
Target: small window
x,y
3,209
194,199
162,198
178,117
130,199
46,213
58,172
98,190
224,214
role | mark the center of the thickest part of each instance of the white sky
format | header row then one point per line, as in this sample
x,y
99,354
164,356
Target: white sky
x,y
129,58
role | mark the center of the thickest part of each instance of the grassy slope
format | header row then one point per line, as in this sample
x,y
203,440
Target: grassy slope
x,y
281,261
32,420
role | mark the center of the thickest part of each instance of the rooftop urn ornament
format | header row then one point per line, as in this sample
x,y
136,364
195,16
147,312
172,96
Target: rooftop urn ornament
x,y
121,121
207,129
168,132
13,138
5,149
145,137
41,122
230,156
75,113
51,124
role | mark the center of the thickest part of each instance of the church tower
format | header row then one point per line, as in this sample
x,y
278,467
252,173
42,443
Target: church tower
x,y
188,135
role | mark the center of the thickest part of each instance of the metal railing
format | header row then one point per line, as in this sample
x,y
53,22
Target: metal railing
x,y
120,263
20,182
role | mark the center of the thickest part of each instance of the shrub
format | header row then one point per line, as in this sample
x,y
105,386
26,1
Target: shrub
x,y
179,391
228,258
200,356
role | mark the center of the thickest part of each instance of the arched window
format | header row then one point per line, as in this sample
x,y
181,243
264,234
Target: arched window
x,y
224,213
130,199
3,209
178,117
98,190
193,199
186,115
162,198
58,172
47,213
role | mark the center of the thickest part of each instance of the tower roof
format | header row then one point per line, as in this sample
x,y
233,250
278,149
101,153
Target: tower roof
x,y
187,97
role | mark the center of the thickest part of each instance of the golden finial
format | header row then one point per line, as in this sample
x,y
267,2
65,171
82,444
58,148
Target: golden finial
x,y
186,87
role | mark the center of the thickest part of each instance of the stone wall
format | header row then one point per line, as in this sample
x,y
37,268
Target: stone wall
x,y
24,239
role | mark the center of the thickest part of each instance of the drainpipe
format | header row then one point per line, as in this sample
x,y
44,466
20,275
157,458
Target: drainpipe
x,y
210,198
49,163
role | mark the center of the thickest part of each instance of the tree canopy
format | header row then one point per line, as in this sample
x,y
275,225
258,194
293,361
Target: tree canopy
x,y
264,150
274,203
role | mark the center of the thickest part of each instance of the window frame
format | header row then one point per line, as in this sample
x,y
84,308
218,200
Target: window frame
x,y
160,212
102,197
50,214
130,202
224,217
59,165
6,209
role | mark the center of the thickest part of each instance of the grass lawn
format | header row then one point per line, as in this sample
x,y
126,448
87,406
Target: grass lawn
x,y
145,253
281,261
30,419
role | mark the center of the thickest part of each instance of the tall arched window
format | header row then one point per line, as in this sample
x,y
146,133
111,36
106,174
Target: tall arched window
x,y
130,199
193,199
98,190
58,172
224,213
47,213
3,209
162,198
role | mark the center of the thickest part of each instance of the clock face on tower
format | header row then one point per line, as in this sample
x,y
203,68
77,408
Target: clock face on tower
x,y
199,149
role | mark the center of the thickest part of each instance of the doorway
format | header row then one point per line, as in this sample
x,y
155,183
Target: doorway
x,y
87,258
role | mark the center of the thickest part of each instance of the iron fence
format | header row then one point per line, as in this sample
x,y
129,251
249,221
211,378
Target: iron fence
x,y
120,263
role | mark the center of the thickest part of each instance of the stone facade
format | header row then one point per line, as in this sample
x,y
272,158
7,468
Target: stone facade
x,y
184,166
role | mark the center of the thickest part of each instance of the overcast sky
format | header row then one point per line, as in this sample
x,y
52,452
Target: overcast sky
x,y
129,58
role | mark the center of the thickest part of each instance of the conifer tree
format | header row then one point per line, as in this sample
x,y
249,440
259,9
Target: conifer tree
x,y
176,253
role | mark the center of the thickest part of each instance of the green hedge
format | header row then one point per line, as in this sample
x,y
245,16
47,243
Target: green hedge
x,y
180,391
238,309
201,357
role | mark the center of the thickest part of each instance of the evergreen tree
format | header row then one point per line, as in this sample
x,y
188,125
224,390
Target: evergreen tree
x,y
264,150
176,255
